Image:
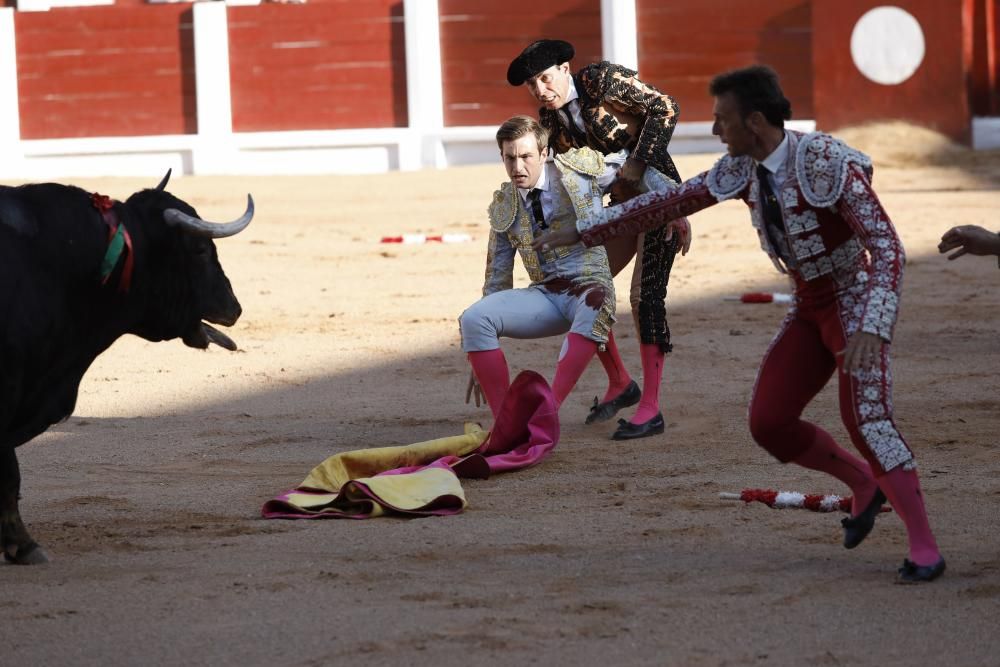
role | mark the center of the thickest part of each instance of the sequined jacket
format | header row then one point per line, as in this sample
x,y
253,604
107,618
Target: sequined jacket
x,y
831,217
574,175
619,112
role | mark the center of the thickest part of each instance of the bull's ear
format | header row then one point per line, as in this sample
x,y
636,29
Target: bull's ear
x,y
163,183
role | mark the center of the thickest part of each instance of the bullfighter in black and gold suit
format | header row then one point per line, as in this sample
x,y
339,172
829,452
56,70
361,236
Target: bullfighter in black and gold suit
x,y
605,107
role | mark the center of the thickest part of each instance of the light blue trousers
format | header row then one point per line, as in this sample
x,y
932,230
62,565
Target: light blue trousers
x,y
526,312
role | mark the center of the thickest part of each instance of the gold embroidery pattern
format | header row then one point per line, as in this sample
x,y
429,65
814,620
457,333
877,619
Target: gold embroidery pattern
x,y
503,209
521,238
583,161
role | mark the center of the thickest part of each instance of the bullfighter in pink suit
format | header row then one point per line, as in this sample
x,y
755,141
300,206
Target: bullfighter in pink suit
x,y
817,217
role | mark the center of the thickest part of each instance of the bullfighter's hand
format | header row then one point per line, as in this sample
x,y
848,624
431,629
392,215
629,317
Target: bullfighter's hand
x,y
682,228
863,352
555,238
969,239
622,190
474,390
632,172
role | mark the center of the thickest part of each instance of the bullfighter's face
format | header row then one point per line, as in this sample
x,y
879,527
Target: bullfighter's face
x,y
551,86
731,127
524,160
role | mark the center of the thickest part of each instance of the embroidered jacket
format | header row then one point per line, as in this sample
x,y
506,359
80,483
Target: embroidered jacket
x,y
619,112
830,213
578,195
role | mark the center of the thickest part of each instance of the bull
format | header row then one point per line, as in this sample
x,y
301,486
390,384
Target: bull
x,y
77,271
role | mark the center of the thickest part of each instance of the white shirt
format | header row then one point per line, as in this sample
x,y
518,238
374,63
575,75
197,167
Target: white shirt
x,y
612,164
573,105
542,184
775,165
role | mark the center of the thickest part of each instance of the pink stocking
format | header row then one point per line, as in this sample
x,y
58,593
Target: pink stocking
x,y
652,375
902,488
827,456
490,367
578,351
618,377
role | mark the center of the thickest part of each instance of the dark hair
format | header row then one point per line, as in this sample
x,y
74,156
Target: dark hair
x,y
518,126
755,88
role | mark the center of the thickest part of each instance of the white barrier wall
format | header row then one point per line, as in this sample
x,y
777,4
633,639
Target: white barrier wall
x,y
10,118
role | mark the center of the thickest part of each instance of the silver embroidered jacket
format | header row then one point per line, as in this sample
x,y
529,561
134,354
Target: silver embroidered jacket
x,y
574,176
830,213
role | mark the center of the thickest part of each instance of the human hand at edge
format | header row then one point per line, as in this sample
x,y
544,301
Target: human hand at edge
x,y
474,390
969,239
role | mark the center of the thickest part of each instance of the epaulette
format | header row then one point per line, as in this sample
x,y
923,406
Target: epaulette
x,y
584,161
821,164
728,176
503,208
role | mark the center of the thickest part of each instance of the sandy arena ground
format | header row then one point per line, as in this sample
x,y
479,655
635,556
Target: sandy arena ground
x,y
148,498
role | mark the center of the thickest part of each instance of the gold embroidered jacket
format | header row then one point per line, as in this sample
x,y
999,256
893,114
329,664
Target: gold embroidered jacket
x,y
576,180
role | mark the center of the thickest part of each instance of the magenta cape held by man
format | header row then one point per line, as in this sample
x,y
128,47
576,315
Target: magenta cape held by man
x,y
422,479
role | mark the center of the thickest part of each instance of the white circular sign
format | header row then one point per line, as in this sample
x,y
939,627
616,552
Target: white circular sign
x,y
887,45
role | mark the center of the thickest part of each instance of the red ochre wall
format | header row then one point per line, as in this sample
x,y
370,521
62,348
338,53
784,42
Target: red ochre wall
x,y
105,71
479,39
128,69
682,45
935,96
982,44
328,64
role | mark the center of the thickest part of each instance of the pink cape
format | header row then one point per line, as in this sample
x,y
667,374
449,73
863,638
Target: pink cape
x,y
526,430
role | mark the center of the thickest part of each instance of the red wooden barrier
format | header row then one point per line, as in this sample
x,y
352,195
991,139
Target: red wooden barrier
x,y
683,44
479,39
105,71
982,23
329,65
935,96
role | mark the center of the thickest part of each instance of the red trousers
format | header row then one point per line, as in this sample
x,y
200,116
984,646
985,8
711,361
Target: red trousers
x,y
805,353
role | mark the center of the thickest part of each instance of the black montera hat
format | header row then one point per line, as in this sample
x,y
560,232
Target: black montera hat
x,y
538,57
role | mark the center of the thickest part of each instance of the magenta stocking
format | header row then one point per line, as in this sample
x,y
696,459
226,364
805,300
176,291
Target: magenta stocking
x,y
618,377
577,353
490,367
652,374
902,488
827,456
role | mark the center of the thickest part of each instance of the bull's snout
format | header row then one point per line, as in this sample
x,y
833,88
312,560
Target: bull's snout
x,y
226,315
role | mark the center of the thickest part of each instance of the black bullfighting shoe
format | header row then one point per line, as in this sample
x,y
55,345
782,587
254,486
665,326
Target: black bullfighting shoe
x,y
911,573
602,412
856,528
629,431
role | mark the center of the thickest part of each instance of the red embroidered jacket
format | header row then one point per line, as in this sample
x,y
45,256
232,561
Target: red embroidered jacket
x,y
831,217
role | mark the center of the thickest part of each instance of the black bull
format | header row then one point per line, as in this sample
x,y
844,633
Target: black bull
x,y
57,314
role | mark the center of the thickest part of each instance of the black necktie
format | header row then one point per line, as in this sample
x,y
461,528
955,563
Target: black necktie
x,y
535,197
772,215
566,115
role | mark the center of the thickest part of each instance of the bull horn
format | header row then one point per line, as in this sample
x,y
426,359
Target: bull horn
x,y
213,230
163,183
